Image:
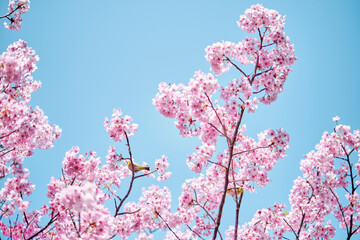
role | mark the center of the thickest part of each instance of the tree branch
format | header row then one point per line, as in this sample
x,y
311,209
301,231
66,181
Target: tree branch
x,y
226,183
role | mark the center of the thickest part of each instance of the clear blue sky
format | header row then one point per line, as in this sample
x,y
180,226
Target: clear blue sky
x,y
99,55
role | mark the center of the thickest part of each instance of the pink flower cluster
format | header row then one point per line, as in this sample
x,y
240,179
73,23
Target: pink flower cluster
x,y
264,221
258,17
77,199
315,195
162,165
112,172
81,212
197,114
152,211
120,127
324,171
14,191
79,166
22,128
188,104
202,195
198,160
255,159
16,67
19,230
272,65
16,8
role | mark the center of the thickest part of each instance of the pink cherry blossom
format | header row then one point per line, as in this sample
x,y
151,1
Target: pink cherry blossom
x,y
162,165
16,8
228,163
120,127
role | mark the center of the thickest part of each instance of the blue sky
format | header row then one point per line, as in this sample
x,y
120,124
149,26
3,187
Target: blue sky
x,y
95,57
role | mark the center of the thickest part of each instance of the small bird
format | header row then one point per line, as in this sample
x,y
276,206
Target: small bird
x,y
234,191
137,167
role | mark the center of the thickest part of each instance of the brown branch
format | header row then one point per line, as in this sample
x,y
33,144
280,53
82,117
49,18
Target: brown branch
x,y
195,232
167,225
7,152
218,117
145,174
312,192
8,14
236,200
73,222
341,158
226,183
132,177
257,58
291,228
238,205
216,129
350,233
9,133
253,149
258,74
205,210
216,163
301,224
259,91
247,76
53,219
268,45
124,213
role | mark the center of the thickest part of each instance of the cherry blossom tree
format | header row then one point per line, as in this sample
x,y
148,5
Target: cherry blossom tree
x,y
207,108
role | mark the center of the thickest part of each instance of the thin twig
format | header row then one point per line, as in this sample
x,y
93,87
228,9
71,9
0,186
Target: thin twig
x,y
7,152
247,76
259,91
216,163
145,174
195,232
291,228
268,45
8,14
253,149
132,177
218,117
216,129
258,74
167,225
124,213
53,219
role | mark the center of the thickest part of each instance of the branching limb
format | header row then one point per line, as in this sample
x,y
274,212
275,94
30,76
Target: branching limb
x,y
195,232
218,117
216,163
53,219
250,150
226,182
167,225
216,129
132,177
228,59
146,174
292,229
8,14
124,213
259,91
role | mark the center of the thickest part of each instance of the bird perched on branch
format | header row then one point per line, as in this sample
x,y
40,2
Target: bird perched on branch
x,y
235,191
137,167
